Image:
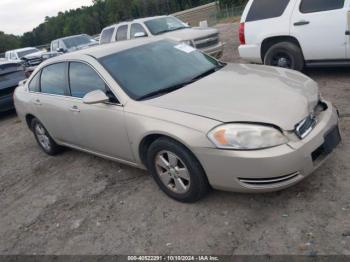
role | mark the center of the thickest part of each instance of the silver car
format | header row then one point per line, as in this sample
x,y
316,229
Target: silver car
x,y
195,123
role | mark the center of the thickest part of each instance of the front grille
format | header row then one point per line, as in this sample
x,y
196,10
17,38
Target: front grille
x,y
269,182
207,41
304,128
33,62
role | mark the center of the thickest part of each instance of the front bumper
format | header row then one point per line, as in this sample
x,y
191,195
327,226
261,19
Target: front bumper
x,y
215,51
269,169
6,103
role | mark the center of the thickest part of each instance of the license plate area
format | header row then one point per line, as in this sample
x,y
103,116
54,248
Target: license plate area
x,y
331,141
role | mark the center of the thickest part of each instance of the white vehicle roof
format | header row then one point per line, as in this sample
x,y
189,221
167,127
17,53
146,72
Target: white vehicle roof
x,y
22,49
138,20
108,49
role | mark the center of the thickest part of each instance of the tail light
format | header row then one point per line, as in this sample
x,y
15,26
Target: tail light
x,y
241,34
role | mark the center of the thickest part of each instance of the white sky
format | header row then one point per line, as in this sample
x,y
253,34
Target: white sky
x,y
20,16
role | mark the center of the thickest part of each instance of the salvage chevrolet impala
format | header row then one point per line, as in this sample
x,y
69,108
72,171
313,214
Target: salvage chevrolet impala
x,y
195,123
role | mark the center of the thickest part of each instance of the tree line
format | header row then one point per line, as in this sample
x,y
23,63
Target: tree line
x,y
92,19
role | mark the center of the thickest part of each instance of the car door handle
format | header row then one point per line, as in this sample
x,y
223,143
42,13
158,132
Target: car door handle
x,y
301,23
347,32
75,109
37,102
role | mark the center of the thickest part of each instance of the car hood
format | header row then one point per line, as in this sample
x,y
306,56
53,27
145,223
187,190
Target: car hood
x,y
34,55
190,33
247,93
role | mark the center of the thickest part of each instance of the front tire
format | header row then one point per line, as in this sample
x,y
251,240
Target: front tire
x,y
286,55
42,136
176,171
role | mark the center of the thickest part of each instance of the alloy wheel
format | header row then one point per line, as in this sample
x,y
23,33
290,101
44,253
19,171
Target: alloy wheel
x,y
172,172
42,136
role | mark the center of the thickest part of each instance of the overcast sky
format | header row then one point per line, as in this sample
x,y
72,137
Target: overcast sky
x,y
20,16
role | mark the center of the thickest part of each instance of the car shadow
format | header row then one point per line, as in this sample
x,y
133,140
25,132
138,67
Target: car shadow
x,y
7,115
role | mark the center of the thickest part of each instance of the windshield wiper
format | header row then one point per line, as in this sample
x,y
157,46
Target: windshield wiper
x,y
181,85
162,91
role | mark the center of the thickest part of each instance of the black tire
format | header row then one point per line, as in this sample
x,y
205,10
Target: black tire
x,y
53,148
198,186
285,54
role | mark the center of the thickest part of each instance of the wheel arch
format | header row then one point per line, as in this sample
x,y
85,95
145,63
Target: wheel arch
x,y
270,41
29,118
148,139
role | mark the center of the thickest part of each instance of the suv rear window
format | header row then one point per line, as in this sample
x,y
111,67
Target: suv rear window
x,y
265,9
312,6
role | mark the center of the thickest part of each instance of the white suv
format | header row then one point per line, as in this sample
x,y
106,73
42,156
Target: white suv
x,y
204,39
296,33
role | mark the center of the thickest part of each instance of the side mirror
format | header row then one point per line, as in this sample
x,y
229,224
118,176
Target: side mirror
x,y
61,50
95,97
140,34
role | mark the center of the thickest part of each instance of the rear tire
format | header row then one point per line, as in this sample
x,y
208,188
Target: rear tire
x,y
45,141
286,55
177,171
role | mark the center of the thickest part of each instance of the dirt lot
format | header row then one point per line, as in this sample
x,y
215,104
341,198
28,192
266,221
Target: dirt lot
x,y
80,204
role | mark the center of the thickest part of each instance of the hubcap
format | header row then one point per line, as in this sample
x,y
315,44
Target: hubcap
x,y
282,60
42,137
172,172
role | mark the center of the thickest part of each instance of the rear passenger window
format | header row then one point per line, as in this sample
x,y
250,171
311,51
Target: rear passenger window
x,y
34,85
122,33
83,79
265,9
53,79
312,6
106,35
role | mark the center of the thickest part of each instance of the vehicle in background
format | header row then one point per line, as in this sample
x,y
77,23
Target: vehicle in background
x,y
204,39
72,43
29,56
11,73
189,119
296,33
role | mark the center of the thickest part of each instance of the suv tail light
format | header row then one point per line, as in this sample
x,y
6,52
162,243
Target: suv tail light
x,y
241,34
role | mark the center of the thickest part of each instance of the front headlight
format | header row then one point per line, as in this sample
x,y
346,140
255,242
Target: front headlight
x,y
246,137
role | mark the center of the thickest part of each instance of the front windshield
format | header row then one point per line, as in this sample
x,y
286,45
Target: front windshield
x,y
27,52
164,24
155,67
78,41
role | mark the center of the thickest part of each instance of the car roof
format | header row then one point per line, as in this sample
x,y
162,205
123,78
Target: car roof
x,y
138,20
68,37
108,49
22,49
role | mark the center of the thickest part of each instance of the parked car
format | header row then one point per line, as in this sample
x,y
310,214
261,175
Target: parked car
x,y
191,120
72,43
29,56
205,39
296,33
11,73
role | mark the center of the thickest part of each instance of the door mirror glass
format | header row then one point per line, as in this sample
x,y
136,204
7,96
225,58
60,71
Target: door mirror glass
x,y
95,97
139,34
61,50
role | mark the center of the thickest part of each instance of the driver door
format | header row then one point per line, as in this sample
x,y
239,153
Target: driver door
x,y
99,128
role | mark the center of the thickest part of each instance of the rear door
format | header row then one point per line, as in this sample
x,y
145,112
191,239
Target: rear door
x,y
320,26
51,102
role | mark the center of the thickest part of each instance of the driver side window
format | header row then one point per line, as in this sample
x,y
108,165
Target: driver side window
x,y
83,79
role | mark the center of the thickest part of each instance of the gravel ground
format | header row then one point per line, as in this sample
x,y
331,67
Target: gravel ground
x,y
80,204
